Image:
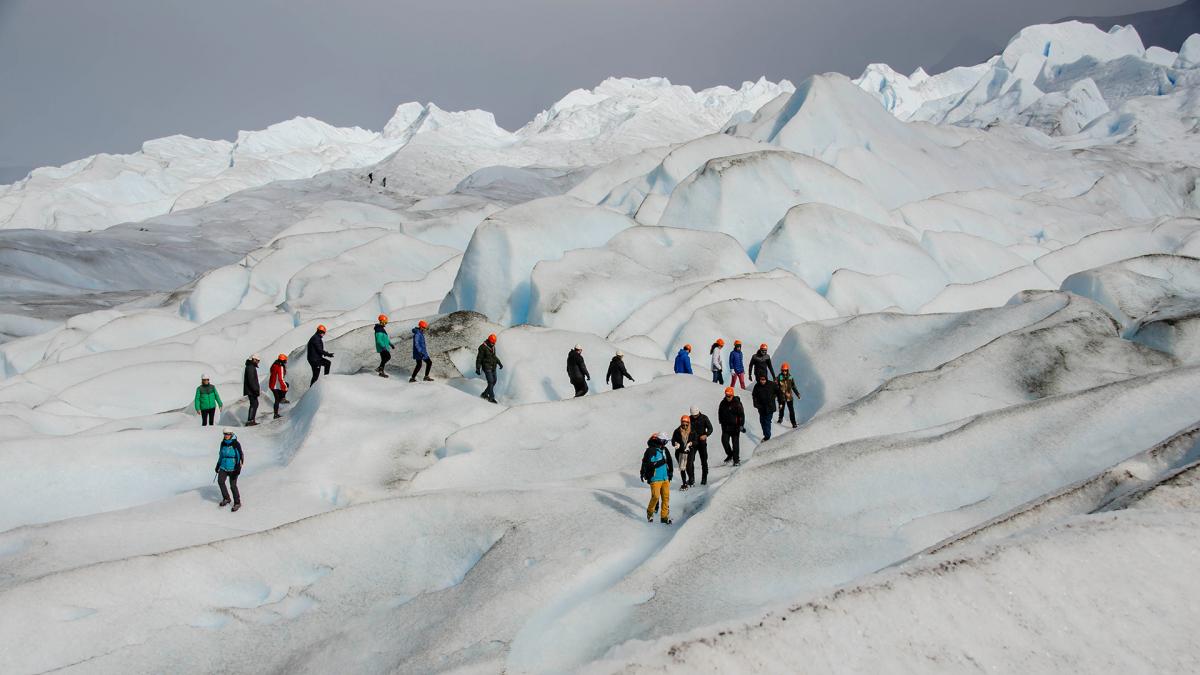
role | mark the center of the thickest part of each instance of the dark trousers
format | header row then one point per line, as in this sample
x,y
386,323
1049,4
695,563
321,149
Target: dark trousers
x,y
687,466
581,388
206,417
384,357
279,396
253,407
316,368
731,440
764,418
718,376
417,369
232,476
618,383
490,375
700,451
791,408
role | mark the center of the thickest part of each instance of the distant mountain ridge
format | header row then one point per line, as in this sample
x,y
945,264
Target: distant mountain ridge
x,y
1166,28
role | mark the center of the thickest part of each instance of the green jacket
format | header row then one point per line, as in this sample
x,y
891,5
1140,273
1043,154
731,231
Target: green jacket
x,y
787,386
382,342
486,359
207,397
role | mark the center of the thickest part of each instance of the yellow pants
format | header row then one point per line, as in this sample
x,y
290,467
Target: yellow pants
x,y
660,490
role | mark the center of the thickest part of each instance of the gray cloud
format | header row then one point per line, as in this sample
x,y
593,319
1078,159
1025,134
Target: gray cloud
x,y
80,76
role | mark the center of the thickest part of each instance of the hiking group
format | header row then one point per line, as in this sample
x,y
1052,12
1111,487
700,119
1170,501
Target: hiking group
x,y
772,393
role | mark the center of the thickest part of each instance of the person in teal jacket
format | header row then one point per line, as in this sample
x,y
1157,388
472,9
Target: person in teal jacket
x,y
207,401
229,467
383,344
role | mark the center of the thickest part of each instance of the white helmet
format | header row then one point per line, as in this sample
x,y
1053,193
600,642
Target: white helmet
x,y
695,411
662,437
620,353
227,430
255,357
578,348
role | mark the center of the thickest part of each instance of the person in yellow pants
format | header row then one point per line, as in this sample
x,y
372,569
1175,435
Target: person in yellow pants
x,y
658,471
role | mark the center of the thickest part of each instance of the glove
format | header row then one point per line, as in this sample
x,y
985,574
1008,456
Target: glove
x,y
331,354
501,366
478,371
587,377
743,430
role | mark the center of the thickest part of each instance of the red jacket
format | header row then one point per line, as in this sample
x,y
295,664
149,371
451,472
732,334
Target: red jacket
x,y
278,370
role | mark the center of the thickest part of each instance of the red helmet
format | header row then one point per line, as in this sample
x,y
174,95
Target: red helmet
x,y
383,318
283,357
737,343
422,324
321,328
784,367
763,346
492,338
720,342
729,391
685,418
688,347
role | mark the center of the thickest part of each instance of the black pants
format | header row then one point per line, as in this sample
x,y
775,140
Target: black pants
x,y
618,383
731,440
791,408
490,375
384,357
206,417
232,476
581,388
253,407
428,364
701,451
764,418
718,376
279,396
316,368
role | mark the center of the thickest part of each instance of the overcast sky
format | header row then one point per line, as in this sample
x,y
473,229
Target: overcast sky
x,y
79,77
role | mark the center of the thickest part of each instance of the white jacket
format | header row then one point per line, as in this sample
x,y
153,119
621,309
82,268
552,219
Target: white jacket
x,y
718,363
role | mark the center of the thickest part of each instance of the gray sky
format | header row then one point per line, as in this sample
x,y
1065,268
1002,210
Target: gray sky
x,y
84,76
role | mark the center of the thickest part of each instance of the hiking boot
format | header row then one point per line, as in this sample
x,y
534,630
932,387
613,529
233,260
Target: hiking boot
x,y
666,521
428,378
275,417
493,400
649,517
737,463
236,506
383,374
251,423
413,378
683,487
223,503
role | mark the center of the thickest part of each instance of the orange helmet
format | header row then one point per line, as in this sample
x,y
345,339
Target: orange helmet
x,y
763,346
737,343
729,391
383,318
492,338
321,328
283,357
720,342
685,418
784,367
688,347
422,324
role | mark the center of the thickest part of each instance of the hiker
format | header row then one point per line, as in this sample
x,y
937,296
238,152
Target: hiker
x,y
383,344
683,361
760,364
658,471
318,358
276,383
703,428
251,389
229,466
616,372
737,367
384,182
207,401
486,362
766,396
787,391
717,360
732,418
684,440
577,371
370,178
421,352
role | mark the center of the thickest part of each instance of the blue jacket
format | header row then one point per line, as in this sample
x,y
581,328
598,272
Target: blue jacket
x,y
683,362
230,458
656,465
420,353
736,364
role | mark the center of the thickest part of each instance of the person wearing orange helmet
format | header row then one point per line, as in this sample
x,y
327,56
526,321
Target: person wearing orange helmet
x,y
683,361
658,471
737,366
760,364
383,344
717,361
486,363
420,352
277,383
731,416
684,442
316,355
788,392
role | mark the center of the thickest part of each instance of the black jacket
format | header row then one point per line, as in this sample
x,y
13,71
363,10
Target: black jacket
x,y
485,358
617,372
761,362
679,442
731,413
316,348
703,427
648,467
250,386
576,368
766,396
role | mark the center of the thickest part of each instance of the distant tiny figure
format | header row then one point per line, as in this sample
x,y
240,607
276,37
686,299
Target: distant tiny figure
x,y
737,367
617,372
229,467
766,398
717,361
383,344
787,392
251,388
317,357
486,362
207,401
277,383
683,361
760,364
383,182
370,178
732,418
658,471
420,352
577,371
